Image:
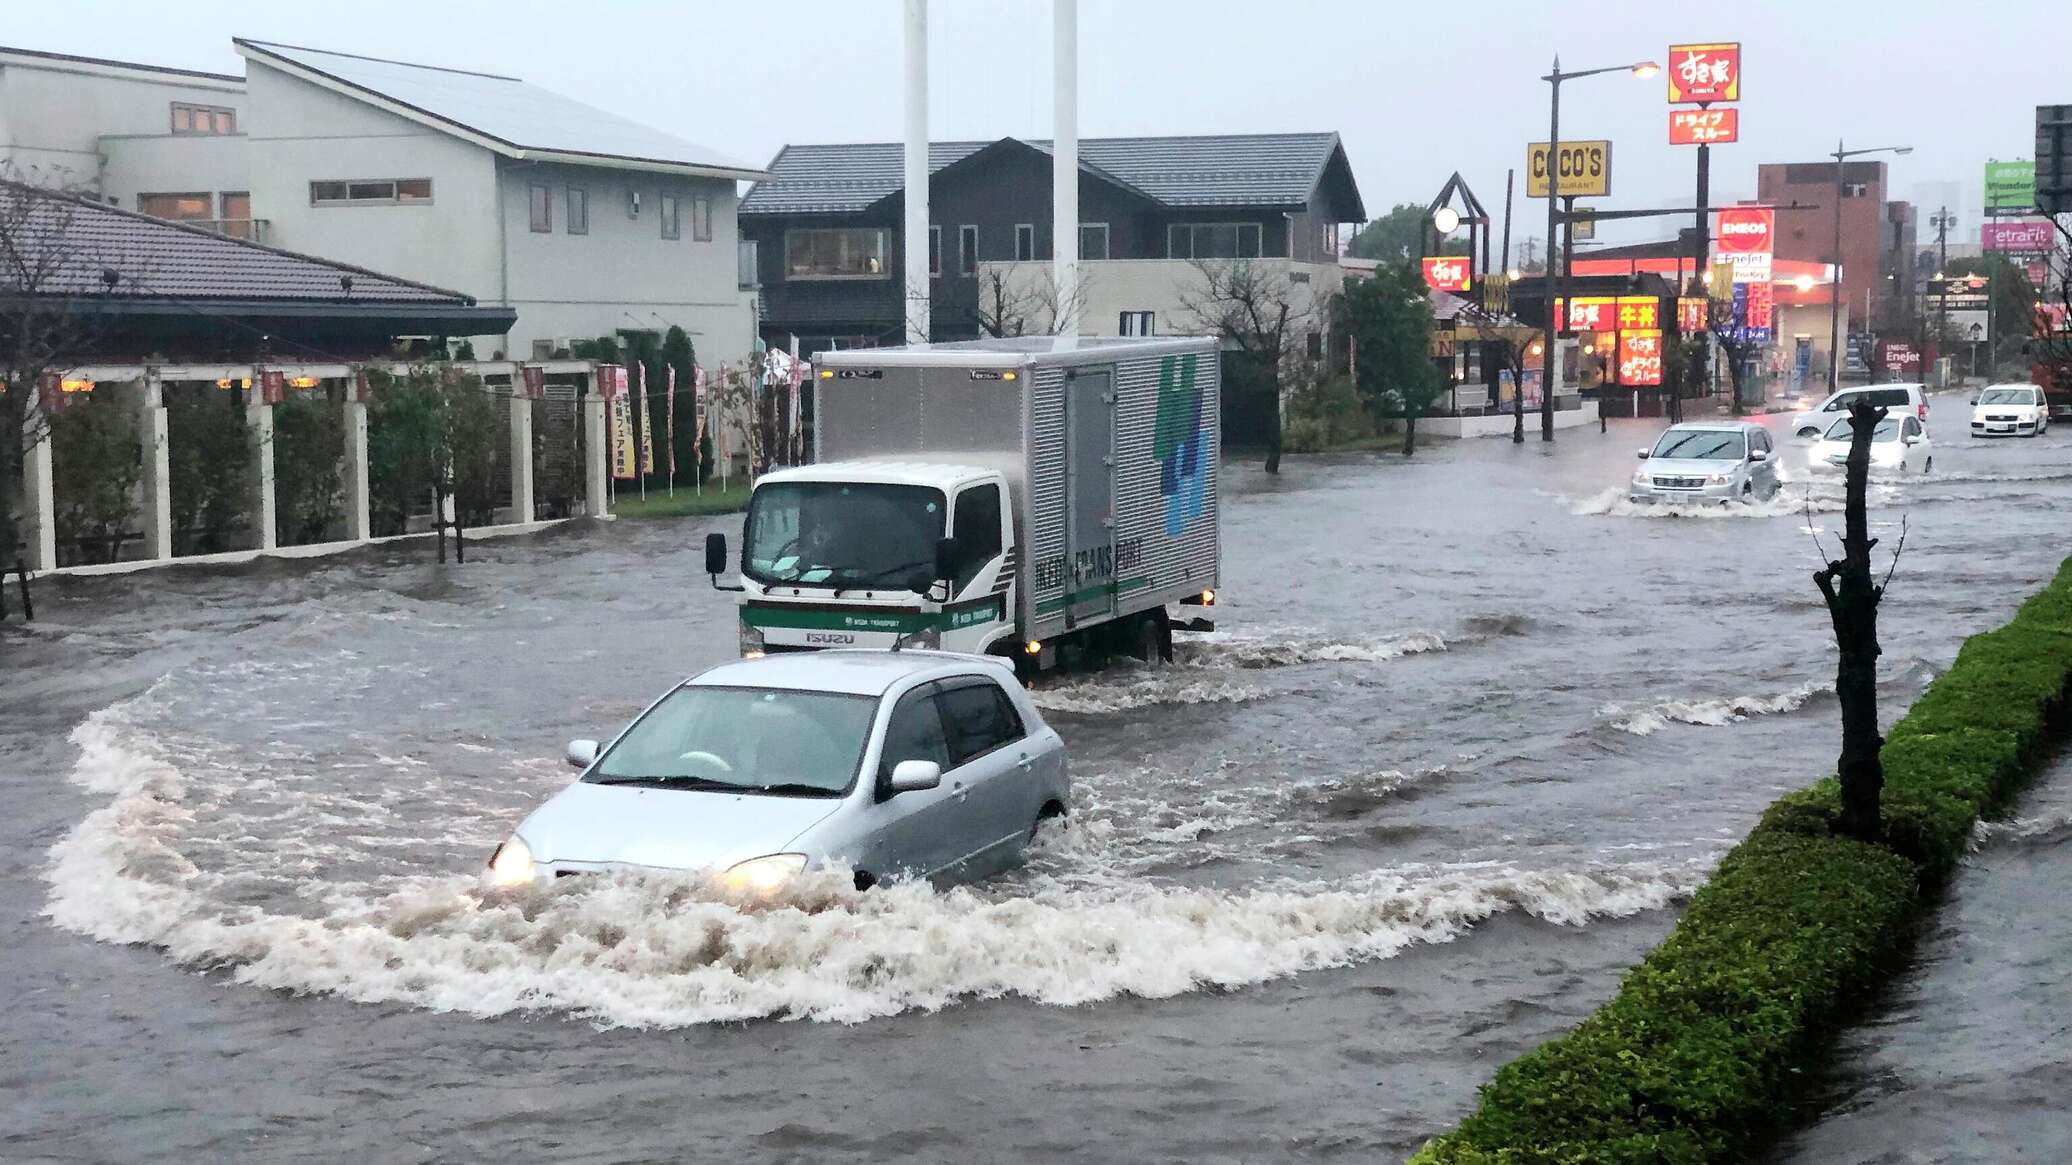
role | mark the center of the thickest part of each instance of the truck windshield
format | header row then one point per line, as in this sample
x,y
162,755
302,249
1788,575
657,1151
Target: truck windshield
x,y
842,534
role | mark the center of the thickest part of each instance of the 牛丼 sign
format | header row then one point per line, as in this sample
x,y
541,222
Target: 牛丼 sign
x,y
1585,169
1704,127
2010,186
1704,72
1608,313
1447,273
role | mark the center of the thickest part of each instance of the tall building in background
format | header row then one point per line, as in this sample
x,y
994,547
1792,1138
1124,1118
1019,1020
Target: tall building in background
x,y
1878,236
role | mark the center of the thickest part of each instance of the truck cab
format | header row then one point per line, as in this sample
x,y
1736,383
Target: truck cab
x,y
873,552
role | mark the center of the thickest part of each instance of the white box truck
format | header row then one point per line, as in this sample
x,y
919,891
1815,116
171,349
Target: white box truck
x,y
1028,497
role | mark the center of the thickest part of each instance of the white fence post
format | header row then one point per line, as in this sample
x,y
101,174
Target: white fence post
x,y
358,522
39,498
154,438
259,434
596,453
521,451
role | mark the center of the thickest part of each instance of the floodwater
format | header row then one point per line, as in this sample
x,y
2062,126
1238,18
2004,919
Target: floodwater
x,y
1966,1060
1471,731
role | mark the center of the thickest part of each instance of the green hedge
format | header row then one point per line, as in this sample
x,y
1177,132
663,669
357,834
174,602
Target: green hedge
x,y
1699,1056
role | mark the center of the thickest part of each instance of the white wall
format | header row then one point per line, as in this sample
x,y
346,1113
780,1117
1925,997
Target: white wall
x,y
53,113
174,164
1113,286
623,275
301,133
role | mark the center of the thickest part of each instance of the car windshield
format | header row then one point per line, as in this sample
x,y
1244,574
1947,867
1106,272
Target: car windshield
x,y
1702,445
1888,430
2007,396
842,534
758,740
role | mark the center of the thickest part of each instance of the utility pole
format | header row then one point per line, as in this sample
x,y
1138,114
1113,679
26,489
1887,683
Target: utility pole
x,y
1552,284
1943,221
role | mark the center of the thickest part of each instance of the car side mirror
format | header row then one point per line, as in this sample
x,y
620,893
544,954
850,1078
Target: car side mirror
x,y
582,753
1974,400
911,776
1643,455
1758,454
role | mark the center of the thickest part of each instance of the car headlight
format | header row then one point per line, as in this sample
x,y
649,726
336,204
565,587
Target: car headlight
x,y
751,640
1640,477
764,874
1718,478
511,864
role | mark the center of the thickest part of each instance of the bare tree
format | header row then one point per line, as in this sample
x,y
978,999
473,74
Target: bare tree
x,y
48,285
1262,316
1852,606
1737,343
1014,300
2050,340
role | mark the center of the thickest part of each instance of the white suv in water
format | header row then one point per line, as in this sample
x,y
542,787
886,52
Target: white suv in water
x,y
1897,398
2009,410
1707,461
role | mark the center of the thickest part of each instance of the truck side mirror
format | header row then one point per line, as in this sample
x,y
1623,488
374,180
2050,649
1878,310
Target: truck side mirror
x,y
715,553
948,557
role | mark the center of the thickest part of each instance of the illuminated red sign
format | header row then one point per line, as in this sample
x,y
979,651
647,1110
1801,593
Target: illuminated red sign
x,y
1761,305
1640,357
1746,230
535,382
1692,312
1704,72
1704,127
1446,273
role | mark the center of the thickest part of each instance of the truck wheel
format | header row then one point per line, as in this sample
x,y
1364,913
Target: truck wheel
x,y
1151,638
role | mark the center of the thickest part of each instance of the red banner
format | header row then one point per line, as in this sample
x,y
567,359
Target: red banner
x,y
1446,273
1692,314
1704,127
669,421
535,381
273,386
1704,72
1640,357
1761,305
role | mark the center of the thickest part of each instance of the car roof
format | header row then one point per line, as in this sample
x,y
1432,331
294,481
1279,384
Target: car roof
x,y
1913,385
2011,384
856,672
882,471
1712,426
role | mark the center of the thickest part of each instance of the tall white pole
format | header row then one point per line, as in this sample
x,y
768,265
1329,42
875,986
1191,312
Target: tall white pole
x,y
916,252
1064,183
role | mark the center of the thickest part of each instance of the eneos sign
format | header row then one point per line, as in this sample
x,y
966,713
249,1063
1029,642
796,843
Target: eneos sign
x,y
1586,169
1746,230
1446,273
1704,72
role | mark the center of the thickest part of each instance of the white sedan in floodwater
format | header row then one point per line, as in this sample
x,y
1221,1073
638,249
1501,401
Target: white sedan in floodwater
x,y
2010,410
1899,445
888,763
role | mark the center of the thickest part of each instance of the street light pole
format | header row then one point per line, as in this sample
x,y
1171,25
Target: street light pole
x,y
1552,281
1834,286
1555,281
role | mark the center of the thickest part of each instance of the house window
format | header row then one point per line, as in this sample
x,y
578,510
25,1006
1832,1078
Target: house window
x,y
934,251
578,211
835,253
1855,189
701,219
208,119
237,213
672,226
1136,323
1024,242
542,210
177,206
632,203
1221,240
369,190
1330,240
1093,240
967,250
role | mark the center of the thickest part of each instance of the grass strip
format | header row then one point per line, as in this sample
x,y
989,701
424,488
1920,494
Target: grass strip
x,y
1701,1055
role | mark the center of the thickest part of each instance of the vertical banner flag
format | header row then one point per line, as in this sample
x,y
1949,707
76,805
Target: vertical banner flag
x,y
647,430
273,386
721,451
535,382
669,419
612,379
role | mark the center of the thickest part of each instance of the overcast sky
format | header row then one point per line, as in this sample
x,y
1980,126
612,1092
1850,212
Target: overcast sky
x,y
1416,90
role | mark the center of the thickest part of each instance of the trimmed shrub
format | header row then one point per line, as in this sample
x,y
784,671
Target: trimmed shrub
x,y
308,468
96,462
1699,1056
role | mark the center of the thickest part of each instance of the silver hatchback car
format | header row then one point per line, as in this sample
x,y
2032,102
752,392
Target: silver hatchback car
x,y
891,764
1707,461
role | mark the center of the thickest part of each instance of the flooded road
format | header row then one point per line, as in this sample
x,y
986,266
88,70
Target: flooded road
x,y
1472,728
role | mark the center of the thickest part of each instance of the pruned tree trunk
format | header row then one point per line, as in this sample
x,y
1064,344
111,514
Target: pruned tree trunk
x,y
1273,438
1409,433
1852,606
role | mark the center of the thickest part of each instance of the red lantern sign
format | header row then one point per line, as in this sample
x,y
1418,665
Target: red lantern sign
x,y
1704,72
1446,273
1692,314
535,382
1640,357
1704,127
273,386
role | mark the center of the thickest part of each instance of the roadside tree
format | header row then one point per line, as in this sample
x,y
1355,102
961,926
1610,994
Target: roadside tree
x,y
1264,320
1388,317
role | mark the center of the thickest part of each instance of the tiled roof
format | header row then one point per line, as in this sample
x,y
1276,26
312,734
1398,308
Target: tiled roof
x,y
154,259
520,119
1221,170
